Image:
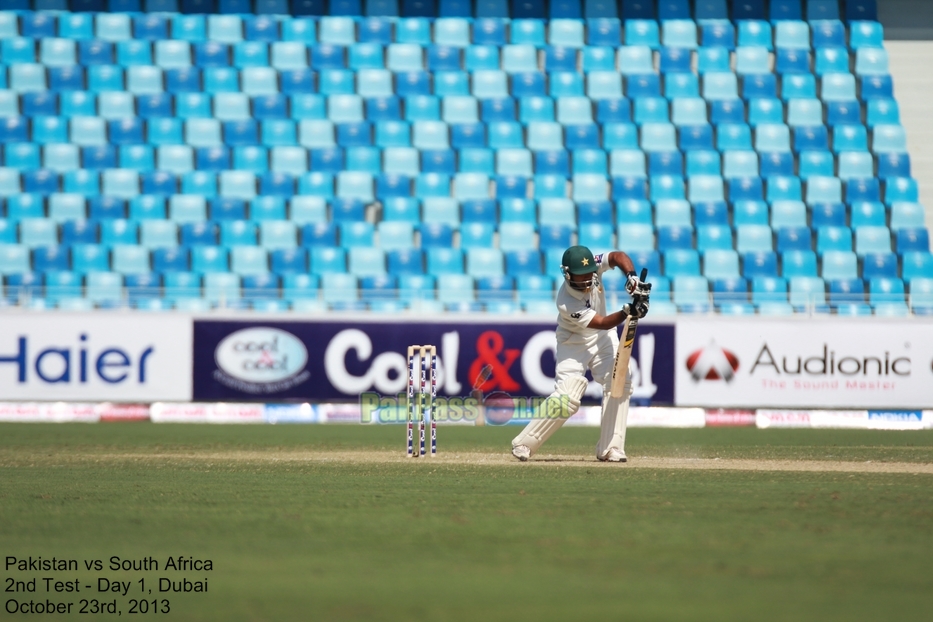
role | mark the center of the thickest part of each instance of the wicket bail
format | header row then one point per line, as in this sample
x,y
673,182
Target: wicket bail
x,y
422,408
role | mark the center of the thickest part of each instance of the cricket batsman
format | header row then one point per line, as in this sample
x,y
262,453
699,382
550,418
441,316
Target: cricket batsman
x,y
587,339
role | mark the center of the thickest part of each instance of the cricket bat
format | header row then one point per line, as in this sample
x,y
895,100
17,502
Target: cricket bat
x,y
624,355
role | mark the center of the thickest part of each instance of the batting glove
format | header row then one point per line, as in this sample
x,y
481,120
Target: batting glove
x,y
633,284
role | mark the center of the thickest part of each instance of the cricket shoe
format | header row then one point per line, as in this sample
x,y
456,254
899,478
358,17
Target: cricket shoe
x,y
521,452
614,455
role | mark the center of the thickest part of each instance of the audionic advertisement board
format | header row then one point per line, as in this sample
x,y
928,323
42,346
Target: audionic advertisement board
x,y
821,362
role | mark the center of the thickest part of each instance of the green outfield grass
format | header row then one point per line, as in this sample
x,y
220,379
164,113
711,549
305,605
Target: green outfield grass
x,y
294,535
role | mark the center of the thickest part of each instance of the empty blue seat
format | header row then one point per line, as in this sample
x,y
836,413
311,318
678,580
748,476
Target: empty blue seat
x,y
879,266
912,239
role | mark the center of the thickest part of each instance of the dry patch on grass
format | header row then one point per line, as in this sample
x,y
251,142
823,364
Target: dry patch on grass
x,y
273,456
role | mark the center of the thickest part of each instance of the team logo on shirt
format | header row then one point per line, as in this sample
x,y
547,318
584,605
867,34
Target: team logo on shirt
x,y
598,258
577,315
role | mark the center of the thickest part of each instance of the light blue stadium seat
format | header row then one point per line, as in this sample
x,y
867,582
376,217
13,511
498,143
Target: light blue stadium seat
x,y
514,162
565,33
752,60
470,186
784,189
337,30
721,264
636,237
627,162
792,35
366,261
833,239
824,190
574,110
430,135
642,32
679,33
635,59
870,61
600,59
804,112
712,237
688,111
453,31
900,189
815,164
754,33
906,215
838,87
762,111
681,85
701,162
740,164
484,262
753,238
831,60
889,139
536,109
719,86
658,137
651,110
872,239
807,291
839,265
590,187
772,137
328,260
603,85
705,188
673,213
681,263
734,137
882,111
788,214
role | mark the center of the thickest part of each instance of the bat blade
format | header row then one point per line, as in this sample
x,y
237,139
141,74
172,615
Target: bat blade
x,y
624,355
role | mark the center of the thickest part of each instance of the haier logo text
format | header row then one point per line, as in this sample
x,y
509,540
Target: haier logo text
x,y
79,362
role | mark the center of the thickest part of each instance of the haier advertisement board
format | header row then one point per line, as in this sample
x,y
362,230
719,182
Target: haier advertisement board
x,y
115,357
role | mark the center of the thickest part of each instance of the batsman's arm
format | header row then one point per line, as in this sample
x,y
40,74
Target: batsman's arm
x,y
605,322
618,259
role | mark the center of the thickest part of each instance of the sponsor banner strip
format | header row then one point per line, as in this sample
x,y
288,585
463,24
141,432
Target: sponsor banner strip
x,y
48,412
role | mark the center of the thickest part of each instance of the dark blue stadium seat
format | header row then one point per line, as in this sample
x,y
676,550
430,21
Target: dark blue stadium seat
x,y
100,208
79,232
405,261
198,234
154,106
877,87
391,185
555,237
468,135
46,258
227,208
828,215
552,163
629,188
776,164
528,84
794,239
277,184
441,161
383,109
638,9
746,189
613,111
696,137
863,10
560,59
913,240
320,234
811,138
583,136
39,25
150,27
879,266
759,86
749,9
785,10
327,160
40,181
521,263
727,111
893,165
646,85
862,190
603,32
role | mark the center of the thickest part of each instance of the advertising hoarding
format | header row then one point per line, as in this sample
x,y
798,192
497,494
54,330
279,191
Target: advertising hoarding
x,y
114,357
822,363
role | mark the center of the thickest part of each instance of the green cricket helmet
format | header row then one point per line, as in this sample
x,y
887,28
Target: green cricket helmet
x,y
578,260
